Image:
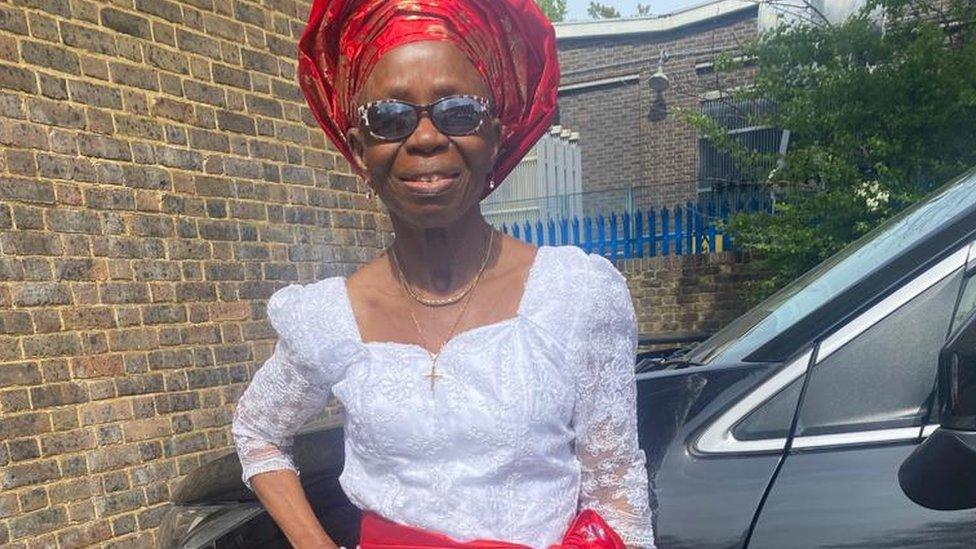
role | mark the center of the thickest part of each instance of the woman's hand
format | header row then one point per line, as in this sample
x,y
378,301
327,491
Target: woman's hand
x,y
284,498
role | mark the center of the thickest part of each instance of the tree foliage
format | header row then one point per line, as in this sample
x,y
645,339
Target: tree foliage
x,y
877,120
555,10
602,11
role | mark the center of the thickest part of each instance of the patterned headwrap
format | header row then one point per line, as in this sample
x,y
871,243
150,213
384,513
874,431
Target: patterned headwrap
x,y
510,42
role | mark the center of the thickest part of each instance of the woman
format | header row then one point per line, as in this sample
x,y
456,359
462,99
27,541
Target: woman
x,y
488,385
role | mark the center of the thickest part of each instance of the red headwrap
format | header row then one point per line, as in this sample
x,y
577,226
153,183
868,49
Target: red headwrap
x,y
510,42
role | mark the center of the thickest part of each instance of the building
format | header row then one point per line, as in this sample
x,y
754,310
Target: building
x,y
626,84
635,147
160,177
546,183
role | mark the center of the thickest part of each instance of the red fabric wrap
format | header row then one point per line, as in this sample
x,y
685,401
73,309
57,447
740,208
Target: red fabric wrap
x,y
510,42
588,531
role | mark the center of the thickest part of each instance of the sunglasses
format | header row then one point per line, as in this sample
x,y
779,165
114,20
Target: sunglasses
x,y
455,115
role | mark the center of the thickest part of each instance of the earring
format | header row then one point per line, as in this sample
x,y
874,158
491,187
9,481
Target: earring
x,y
491,184
369,194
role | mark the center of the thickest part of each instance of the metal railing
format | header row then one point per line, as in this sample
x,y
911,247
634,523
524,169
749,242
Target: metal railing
x,y
690,228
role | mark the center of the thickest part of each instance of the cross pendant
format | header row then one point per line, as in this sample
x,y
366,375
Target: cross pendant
x,y
433,375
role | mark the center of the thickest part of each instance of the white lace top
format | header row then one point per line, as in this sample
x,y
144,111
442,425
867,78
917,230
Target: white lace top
x,y
533,419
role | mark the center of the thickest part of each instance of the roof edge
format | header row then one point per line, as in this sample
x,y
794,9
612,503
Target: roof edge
x,y
656,24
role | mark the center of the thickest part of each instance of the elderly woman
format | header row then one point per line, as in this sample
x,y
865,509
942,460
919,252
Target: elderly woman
x,y
488,385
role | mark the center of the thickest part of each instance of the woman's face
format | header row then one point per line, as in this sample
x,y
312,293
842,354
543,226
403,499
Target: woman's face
x,y
427,179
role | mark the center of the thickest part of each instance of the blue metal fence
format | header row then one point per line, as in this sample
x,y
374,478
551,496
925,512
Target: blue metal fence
x,y
691,228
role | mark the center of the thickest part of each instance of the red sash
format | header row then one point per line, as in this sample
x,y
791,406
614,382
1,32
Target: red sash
x,y
588,531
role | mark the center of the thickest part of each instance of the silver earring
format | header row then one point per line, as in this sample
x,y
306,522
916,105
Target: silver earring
x,y
369,194
491,184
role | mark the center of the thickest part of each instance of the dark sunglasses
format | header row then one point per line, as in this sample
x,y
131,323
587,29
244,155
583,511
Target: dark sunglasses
x,y
393,120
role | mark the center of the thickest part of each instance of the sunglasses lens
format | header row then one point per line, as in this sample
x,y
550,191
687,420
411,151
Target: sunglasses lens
x,y
391,120
458,115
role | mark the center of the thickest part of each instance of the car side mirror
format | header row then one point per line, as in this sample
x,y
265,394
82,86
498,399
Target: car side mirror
x,y
941,473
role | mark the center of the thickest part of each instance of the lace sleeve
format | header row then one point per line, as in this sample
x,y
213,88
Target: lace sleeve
x,y
614,479
288,389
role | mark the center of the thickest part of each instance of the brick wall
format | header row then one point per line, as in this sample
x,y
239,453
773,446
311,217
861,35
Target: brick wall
x,y
624,141
160,177
696,293
609,133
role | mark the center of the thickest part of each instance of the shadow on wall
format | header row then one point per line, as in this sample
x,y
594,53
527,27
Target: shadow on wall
x,y
658,110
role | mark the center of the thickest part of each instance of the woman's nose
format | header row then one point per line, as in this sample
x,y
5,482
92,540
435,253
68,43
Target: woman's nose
x,y
426,137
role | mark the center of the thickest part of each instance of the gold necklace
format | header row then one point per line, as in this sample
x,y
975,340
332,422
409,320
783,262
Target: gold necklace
x,y
401,277
433,375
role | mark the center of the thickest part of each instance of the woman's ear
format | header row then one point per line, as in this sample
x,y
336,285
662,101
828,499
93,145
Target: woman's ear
x,y
496,137
357,145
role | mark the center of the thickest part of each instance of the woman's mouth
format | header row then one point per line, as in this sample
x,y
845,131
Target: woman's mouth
x,y
429,184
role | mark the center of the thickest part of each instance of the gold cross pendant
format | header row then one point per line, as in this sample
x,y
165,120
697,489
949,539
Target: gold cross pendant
x,y
433,375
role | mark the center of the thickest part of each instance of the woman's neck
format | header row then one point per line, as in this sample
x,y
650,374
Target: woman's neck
x,y
443,259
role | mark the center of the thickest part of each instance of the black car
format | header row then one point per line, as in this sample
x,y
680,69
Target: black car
x,y
786,429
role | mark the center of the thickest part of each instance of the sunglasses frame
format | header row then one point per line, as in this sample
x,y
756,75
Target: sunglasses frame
x,y
363,112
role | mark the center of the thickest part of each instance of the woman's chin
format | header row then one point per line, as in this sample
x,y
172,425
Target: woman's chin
x,y
433,216
432,212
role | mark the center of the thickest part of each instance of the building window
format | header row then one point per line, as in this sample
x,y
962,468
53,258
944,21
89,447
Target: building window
x,y
718,170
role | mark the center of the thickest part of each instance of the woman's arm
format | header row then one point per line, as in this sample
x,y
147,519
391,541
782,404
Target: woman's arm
x,y
284,498
614,480
288,389
275,405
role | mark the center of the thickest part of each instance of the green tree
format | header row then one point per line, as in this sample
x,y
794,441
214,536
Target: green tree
x,y
643,10
877,120
602,11
555,10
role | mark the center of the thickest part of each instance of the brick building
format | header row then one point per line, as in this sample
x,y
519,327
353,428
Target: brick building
x,y
160,177
629,135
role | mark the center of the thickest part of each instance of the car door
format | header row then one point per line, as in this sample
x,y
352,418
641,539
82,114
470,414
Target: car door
x,y
865,405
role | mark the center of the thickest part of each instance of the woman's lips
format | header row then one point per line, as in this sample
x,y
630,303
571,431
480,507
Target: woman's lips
x,y
429,184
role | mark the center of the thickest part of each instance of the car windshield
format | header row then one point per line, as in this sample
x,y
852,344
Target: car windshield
x,y
841,271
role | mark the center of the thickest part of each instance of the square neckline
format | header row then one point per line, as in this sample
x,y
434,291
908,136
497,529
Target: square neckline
x,y
519,313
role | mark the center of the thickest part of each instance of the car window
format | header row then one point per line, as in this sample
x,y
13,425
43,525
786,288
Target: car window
x,y
883,378
893,352
967,302
866,255
772,419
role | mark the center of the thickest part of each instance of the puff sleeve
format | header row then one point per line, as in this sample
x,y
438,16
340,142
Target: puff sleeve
x,y
614,480
294,384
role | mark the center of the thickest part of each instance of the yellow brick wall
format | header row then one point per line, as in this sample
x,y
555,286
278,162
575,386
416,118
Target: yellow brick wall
x,y
160,177
688,293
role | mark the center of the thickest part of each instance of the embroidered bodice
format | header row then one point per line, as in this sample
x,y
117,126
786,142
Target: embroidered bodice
x,y
533,418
